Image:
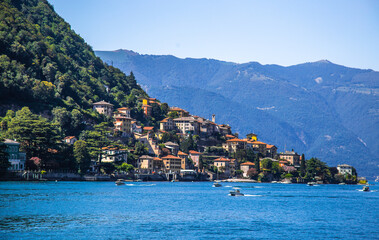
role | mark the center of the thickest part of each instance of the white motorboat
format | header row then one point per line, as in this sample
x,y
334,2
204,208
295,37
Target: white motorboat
x,y
235,192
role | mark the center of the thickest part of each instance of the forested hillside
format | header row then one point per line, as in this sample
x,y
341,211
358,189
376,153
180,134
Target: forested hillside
x,y
321,109
43,63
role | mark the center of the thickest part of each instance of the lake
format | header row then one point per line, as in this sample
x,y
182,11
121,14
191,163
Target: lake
x,y
186,210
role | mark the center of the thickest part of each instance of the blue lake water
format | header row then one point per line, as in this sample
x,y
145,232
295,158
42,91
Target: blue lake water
x,y
180,210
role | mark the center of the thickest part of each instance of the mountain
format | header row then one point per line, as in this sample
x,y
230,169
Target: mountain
x,y
322,109
45,64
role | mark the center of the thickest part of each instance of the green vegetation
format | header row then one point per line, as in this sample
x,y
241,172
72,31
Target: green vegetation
x,y
45,64
4,163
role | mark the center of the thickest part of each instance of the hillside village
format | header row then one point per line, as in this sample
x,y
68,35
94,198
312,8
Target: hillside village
x,y
188,148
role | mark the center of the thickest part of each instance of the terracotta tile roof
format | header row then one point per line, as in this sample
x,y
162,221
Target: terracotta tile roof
x,y
194,152
157,159
177,109
236,140
259,143
148,128
164,120
146,106
221,159
230,136
171,157
123,108
247,164
270,146
69,137
182,153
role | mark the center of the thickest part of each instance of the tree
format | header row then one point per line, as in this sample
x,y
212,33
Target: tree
x,y
315,167
4,162
63,119
252,173
302,165
267,164
173,114
188,144
35,134
141,149
97,139
82,156
125,167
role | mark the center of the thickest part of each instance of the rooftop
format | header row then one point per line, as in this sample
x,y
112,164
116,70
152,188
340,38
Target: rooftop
x,y
247,164
171,157
194,152
221,159
103,103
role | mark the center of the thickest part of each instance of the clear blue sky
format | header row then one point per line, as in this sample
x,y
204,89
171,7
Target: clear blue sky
x,y
268,31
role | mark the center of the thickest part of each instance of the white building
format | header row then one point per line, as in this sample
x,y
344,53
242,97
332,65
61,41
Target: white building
x,y
16,158
345,169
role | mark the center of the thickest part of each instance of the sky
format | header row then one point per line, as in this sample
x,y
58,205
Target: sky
x,y
284,32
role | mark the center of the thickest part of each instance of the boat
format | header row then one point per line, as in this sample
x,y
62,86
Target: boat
x,y
342,183
377,179
366,188
311,183
235,192
217,184
119,182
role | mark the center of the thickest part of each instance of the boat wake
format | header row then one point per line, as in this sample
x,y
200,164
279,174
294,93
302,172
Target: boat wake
x,y
251,195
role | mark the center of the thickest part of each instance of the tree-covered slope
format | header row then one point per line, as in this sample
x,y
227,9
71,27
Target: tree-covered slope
x,y
324,110
43,63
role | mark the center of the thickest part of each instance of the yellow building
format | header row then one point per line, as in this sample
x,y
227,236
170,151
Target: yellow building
x,y
172,163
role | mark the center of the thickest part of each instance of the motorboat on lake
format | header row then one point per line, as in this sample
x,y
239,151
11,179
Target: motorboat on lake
x,y
311,183
120,182
217,184
235,192
366,188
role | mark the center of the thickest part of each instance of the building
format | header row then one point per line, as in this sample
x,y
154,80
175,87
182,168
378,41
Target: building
x,y
259,147
158,164
124,111
345,169
16,158
147,110
114,154
185,161
290,156
195,157
223,165
174,147
103,107
167,124
123,124
145,164
245,167
271,151
181,112
172,163
187,125
232,145
70,139
224,129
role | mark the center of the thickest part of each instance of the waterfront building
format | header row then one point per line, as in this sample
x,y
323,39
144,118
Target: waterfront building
x,y
345,169
114,154
16,158
145,164
158,164
103,107
223,165
290,156
185,161
195,156
172,163
245,167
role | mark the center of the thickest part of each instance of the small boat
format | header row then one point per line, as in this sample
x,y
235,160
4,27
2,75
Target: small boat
x,y
235,192
311,183
217,184
119,182
342,183
366,189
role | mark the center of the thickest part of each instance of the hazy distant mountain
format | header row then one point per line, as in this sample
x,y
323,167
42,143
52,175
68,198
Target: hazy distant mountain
x,y
320,108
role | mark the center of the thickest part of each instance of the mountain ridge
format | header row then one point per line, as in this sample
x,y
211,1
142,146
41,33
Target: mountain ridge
x,y
316,99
